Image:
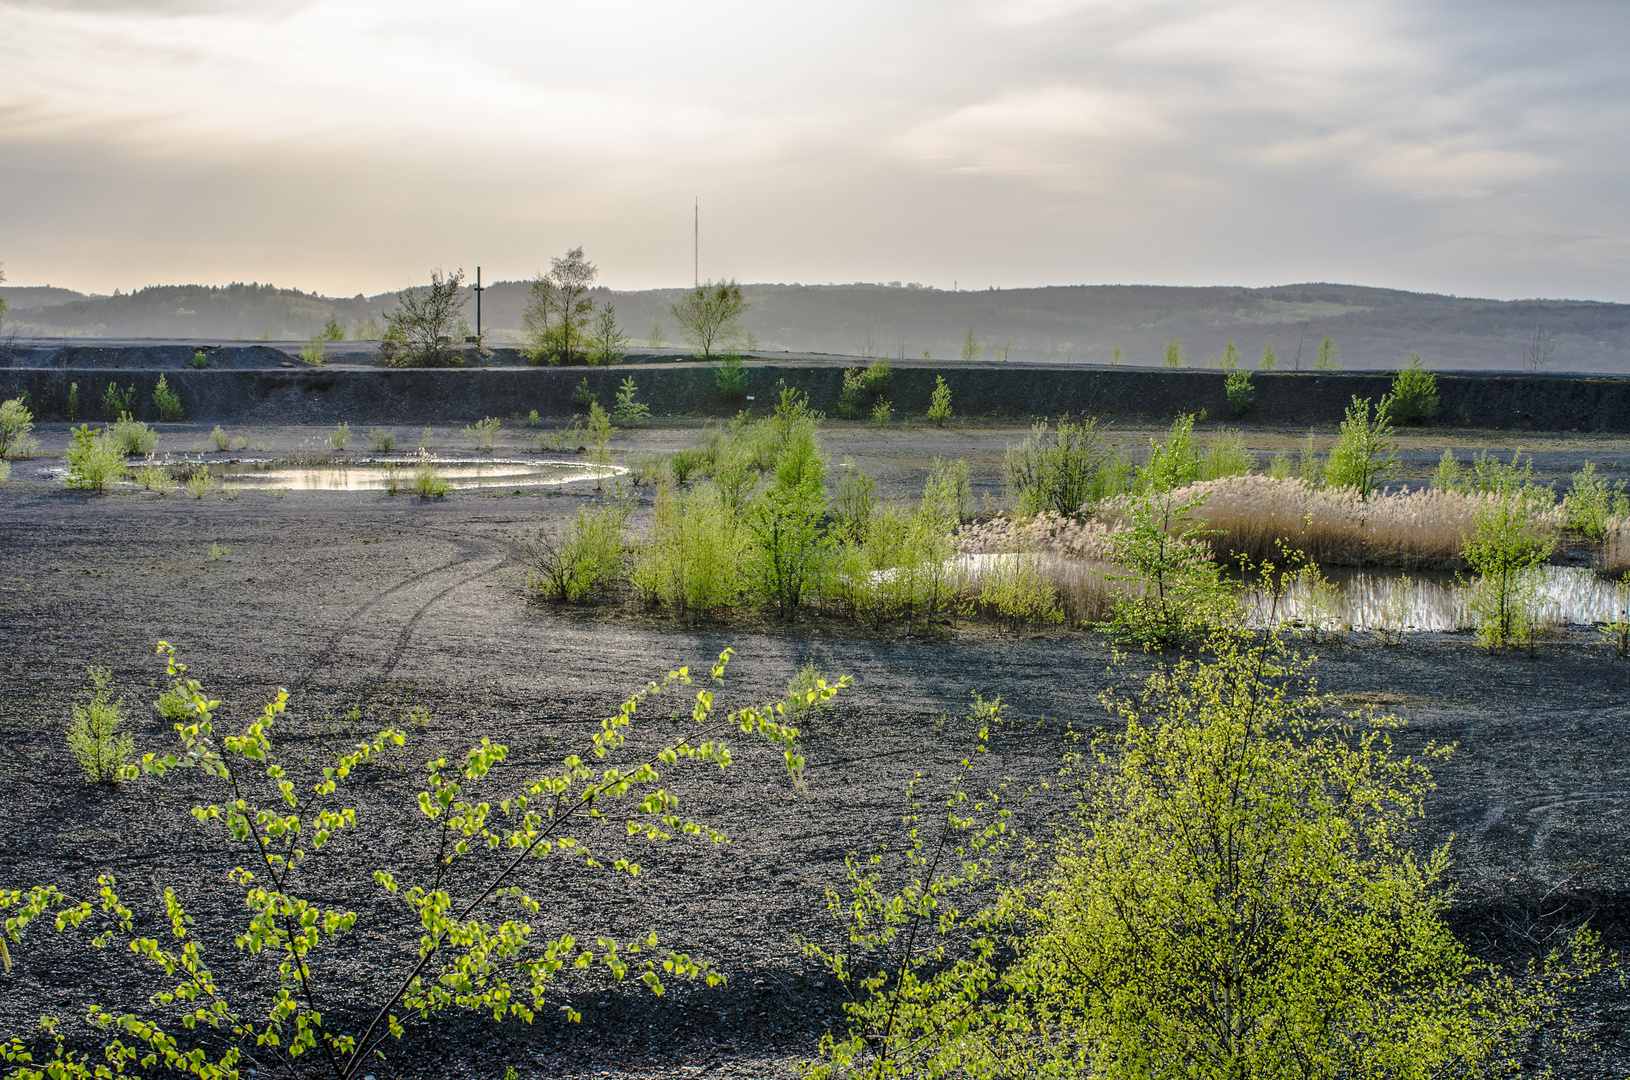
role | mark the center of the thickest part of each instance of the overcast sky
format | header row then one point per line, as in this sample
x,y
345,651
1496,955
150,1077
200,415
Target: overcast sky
x,y
1473,148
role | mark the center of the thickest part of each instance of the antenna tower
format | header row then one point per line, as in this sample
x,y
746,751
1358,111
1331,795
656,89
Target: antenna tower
x,y
696,245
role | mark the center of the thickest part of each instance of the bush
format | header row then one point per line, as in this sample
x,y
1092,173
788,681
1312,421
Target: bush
x,y
901,569
1174,463
482,433
587,555
692,563
220,438
790,555
1591,503
314,353
1015,590
1507,550
427,329
16,421
685,464
384,440
939,405
731,378
428,482
949,491
167,402
1239,894
1226,455
130,437
332,331
862,388
582,396
200,359
882,413
199,483
853,503
93,460
1177,594
341,436
154,478
94,737
1055,471
1414,393
1364,455
627,411
490,841
600,430
116,403
73,401
1241,394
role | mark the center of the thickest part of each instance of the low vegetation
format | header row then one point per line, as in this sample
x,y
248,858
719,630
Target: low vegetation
x,y
16,421
469,906
427,329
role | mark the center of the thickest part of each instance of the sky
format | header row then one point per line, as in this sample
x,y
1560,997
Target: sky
x,y
1476,149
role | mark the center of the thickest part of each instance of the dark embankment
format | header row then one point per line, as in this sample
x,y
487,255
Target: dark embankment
x,y
259,382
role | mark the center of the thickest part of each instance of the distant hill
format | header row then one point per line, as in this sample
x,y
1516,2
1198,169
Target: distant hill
x,y
1373,328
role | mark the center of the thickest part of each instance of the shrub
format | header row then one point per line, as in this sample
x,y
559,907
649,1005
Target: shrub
x,y
482,433
167,402
1241,394
1174,354
1365,455
1591,503
1508,547
427,329
1177,593
1280,468
731,378
131,437
16,421
313,353
586,555
1055,471
685,464
73,401
533,420
901,570
1309,466
199,483
600,430
852,506
1016,590
627,411
154,478
582,396
200,359
939,405
342,435
1239,894
94,738
1174,463
607,342
805,693
971,349
1328,356
93,460
332,331
862,387
116,403
1226,455
1414,393
393,478
466,906
949,491
384,440
692,562
428,482
5,470
220,438
790,554
882,413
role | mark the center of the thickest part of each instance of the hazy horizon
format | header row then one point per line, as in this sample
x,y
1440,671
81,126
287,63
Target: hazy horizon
x,y
344,147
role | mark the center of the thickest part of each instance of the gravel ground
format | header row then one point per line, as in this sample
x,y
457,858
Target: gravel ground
x,y
365,605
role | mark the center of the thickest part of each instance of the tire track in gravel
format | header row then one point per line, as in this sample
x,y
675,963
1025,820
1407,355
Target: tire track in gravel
x,y
382,629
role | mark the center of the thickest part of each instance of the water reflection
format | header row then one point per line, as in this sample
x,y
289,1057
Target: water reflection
x,y
1573,596
377,475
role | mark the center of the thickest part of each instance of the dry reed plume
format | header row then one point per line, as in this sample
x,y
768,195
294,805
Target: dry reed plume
x,y
1249,515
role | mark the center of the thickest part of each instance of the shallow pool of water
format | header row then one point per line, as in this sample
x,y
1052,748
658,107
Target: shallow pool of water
x,y
1573,596
379,474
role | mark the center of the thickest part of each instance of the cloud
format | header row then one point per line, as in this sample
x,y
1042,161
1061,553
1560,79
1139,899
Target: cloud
x,y
1004,141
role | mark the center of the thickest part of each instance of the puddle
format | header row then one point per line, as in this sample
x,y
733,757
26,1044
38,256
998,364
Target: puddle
x,y
1574,596
376,474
